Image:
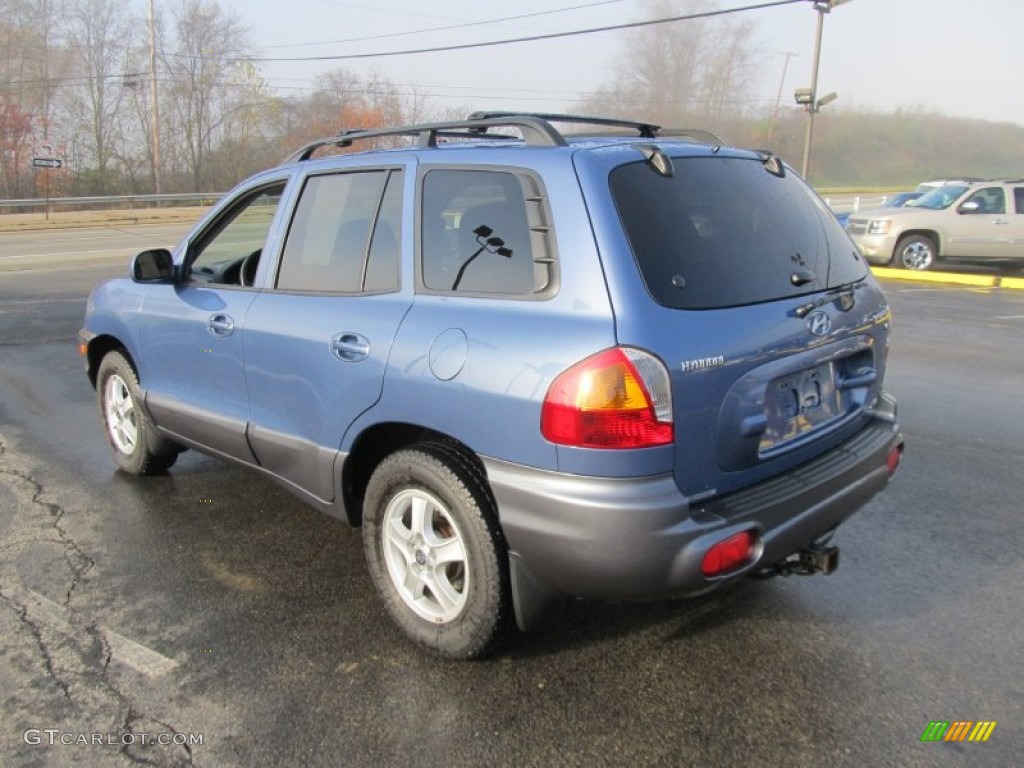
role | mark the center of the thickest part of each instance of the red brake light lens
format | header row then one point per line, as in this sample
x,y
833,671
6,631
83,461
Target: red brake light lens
x,y
619,398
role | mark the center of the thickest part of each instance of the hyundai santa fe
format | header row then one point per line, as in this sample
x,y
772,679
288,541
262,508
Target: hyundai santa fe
x,y
531,364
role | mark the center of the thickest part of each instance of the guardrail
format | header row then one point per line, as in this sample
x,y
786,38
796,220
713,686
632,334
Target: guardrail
x,y
854,203
199,198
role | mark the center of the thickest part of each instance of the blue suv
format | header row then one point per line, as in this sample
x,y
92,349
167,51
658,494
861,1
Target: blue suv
x,y
533,365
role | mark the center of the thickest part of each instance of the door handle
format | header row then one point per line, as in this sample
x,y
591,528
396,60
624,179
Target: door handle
x,y
1000,223
350,347
220,325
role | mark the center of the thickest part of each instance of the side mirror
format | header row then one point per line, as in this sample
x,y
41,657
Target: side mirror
x,y
153,266
971,206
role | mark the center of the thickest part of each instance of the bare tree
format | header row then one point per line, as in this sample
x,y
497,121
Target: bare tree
x,y
209,44
30,65
678,72
103,32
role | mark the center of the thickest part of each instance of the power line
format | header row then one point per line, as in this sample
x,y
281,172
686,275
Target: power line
x,y
530,38
446,28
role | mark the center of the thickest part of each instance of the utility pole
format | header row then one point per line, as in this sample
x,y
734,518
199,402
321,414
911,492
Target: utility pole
x,y
154,111
815,104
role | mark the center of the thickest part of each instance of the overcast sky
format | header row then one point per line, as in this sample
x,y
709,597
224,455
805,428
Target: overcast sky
x,y
951,56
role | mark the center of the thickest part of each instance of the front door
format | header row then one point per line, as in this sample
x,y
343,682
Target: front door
x,y
983,233
192,331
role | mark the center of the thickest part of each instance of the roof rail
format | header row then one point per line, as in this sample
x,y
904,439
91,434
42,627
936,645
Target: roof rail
x,y
646,130
536,132
535,127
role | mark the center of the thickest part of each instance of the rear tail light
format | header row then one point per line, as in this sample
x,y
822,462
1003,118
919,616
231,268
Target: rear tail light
x,y
619,398
729,554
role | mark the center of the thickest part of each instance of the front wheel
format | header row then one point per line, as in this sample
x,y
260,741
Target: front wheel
x,y
915,252
136,446
435,551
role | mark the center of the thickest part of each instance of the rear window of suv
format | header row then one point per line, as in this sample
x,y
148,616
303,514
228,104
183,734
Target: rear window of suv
x,y
723,231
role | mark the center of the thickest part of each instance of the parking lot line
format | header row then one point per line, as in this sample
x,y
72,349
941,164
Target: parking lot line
x,y
123,650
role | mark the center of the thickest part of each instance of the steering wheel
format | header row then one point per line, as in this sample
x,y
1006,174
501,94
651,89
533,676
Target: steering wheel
x,y
247,273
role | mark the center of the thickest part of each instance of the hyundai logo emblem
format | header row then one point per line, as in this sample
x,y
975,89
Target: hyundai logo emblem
x,y
818,323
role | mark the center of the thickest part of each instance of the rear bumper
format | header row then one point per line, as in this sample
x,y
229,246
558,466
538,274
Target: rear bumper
x,y
615,538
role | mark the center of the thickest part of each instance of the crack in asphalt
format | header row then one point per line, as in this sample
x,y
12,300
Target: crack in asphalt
x,y
36,631
79,629
72,551
131,721
22,609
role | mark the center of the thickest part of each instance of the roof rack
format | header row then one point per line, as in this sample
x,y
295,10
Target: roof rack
x,y
646,130
535,127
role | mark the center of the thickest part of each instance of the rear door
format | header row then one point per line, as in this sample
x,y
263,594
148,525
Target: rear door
x,y
317,340
761,307
1017,224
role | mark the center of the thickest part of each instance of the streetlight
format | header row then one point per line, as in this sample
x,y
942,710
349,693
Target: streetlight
x,y
808,97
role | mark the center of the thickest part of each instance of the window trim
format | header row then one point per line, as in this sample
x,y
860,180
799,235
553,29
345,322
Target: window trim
x,y
211,228
539,220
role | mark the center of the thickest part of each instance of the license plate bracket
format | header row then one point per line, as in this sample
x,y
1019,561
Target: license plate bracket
x,y
799,403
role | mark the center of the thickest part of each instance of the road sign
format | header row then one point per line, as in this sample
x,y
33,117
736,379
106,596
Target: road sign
x,y
47,162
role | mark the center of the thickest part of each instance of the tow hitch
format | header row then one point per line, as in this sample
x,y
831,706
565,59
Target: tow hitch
x,y
817,558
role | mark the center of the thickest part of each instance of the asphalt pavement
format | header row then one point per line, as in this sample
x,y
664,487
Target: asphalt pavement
x,y
212,608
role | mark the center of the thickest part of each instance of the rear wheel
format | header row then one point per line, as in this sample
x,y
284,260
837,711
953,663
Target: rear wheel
x,y
435,551
133,439
916,252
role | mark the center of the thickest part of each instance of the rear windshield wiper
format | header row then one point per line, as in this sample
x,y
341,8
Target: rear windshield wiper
x,y
844,295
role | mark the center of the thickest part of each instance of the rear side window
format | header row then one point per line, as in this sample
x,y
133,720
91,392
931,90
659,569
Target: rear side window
x,y
725,232
344,237
484,232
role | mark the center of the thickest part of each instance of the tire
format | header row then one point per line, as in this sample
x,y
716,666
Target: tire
x,y
916,252
133,440
435,551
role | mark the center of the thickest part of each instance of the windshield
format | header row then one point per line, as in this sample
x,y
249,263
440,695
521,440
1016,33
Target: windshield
x,y
939,198
723,231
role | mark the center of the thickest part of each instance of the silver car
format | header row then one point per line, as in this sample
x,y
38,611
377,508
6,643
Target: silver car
x,y
976,221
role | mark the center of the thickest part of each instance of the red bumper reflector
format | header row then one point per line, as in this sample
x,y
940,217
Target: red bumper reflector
x,y
729,554
893,460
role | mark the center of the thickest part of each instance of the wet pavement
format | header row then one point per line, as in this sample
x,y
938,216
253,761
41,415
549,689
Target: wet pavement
x,y
211,605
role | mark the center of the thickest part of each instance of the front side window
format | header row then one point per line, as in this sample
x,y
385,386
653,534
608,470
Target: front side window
x,y
1018,199
237,237
989,200
476,234
345,235
723,231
